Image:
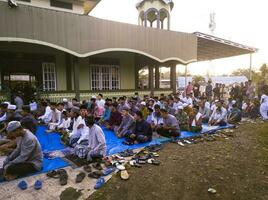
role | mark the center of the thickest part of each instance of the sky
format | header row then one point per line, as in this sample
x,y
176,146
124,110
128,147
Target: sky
x,y
241,21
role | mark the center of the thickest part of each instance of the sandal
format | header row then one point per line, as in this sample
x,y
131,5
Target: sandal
x,y
23,185
53,174
124,175
87,168
80,177
154,162
63,176
100,182
97,166
96,174
38,185
108,171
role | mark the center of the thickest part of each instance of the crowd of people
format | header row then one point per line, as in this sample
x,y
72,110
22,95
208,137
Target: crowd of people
x,y
135,118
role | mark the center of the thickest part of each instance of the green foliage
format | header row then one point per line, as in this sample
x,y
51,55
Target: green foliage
x,y
198,79
257,76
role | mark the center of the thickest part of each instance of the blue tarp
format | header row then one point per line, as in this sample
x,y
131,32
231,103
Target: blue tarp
x,y
51,142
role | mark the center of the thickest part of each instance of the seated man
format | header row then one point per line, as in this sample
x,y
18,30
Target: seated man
x,y
78,124
3,112
65,122
156,118
55,117
183,119
106,114
115,118
28,121
27,157
204,109
47,116
195,121
92,143
170,126
142,131
126,124
219,115
235,115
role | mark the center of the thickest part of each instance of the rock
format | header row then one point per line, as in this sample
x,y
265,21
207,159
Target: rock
x,y
70,193
212,191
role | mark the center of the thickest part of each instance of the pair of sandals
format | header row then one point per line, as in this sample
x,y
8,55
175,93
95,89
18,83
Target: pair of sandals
x,y
60,174
127,153
23,185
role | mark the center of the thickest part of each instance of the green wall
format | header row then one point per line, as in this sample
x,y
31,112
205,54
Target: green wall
x,y
61,71
127,70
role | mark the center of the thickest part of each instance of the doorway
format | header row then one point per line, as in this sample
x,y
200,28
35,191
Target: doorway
x,y
22,83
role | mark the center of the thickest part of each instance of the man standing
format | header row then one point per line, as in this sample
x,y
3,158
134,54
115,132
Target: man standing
x,y
189,89
27,157
100,101
209,90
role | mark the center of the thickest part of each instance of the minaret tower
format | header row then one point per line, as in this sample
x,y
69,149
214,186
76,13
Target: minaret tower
x,y
155,13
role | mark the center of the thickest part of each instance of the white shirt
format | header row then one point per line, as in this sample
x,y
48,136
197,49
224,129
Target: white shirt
x,y
65,123
264,99
33,106
78,121
218,116
48,115
197,117
3,118
100,103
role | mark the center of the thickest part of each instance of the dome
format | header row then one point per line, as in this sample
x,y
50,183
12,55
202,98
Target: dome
x,y
167,2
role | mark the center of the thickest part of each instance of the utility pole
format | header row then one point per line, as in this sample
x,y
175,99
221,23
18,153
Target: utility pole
x,y
250,66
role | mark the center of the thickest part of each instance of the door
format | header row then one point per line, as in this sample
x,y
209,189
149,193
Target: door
x,y
24,84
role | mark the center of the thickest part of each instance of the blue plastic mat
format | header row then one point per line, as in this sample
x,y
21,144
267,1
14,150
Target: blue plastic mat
x,y
115,145
48,141
51,142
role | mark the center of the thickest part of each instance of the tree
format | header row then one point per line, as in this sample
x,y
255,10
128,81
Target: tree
x,y
264,71
198,79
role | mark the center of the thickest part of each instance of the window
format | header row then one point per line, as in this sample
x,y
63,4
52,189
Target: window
x,y
49,76
29,1
61,4
104,77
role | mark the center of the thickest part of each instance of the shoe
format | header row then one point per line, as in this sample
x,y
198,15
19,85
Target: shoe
x,y
96,174
38,185
87,168
23,185
80,177
181,144
100,182
63,176
97,166
187,141
119,166
53,174
124,175
108,171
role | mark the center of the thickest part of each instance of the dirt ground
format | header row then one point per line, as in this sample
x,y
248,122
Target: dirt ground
x,y
237,168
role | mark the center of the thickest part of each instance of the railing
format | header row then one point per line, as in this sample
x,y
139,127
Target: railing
x,y
57,96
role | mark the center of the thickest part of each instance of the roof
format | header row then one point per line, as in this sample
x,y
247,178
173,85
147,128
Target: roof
x,y
92,4
170,2
210,47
